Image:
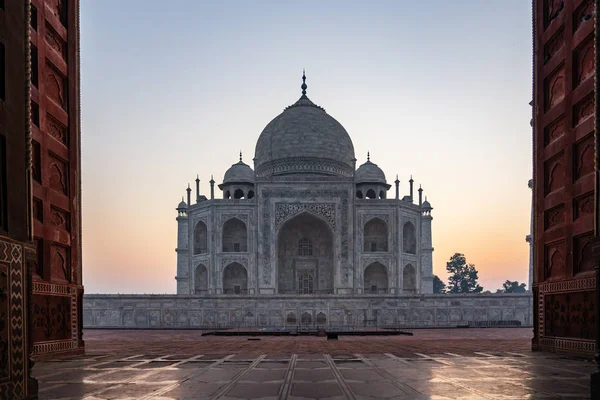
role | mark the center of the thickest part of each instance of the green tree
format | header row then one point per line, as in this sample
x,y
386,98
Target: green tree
x,y
514,287
438,285
463,277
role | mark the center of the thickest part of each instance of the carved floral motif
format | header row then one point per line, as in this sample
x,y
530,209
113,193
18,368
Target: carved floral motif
x,y
584,205
583,110
555,216
555,130
584,62
555,88
570,315
285,210
554,266
584,157
60,219
56,129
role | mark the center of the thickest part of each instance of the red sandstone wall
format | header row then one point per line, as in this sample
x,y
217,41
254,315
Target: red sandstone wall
x,y
57,285
563,149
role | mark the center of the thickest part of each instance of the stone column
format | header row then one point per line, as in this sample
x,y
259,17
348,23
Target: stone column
x,y
183,270
529,240
426,254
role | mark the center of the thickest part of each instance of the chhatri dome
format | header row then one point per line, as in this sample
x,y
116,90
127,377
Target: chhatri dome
x,y
304,139
239,172
369,172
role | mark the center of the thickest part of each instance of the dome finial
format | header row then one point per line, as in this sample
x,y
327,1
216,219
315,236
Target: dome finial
x,y
240,155
368,156
303,82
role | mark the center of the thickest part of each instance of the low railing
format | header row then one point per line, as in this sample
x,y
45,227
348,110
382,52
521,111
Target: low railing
x,y
233,291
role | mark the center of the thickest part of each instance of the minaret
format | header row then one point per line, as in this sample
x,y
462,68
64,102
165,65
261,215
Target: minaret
x,y
426,248
411,188
529,240
397,182
197,189
212,188
420,196
183,270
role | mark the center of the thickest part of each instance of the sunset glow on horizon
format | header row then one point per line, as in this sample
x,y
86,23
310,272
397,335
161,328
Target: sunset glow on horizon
x,y
440,93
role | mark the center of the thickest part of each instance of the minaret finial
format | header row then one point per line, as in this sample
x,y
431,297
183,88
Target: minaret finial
x,y
368,156
303,82
240,155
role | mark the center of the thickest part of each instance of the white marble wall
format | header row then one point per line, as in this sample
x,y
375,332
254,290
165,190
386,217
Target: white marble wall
x,y
177,311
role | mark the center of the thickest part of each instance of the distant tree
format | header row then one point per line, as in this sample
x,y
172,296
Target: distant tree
x,y
463,277
438,285
514,287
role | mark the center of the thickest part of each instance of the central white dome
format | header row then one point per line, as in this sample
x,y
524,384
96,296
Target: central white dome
x,y
304,139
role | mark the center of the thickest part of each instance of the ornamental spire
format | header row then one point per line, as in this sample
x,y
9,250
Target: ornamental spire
x,y
240,155
368,156
303,83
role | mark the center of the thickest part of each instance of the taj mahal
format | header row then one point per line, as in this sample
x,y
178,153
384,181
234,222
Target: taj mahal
x,y
304,237
304,220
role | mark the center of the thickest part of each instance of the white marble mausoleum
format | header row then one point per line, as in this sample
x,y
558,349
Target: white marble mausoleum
x,y
304,220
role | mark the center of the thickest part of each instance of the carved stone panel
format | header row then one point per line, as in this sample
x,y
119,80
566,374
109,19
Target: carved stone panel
x,y
554,217
57,130
582,253
583,205
570,315
554,45
55,41
583,14
554,263
56,86
58,174
554,130
583,63
51,318
554,174
60,263
583,157
60,219
583,110
285,210
555,88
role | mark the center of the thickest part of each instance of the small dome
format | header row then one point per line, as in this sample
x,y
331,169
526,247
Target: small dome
x,y
239,173
182,204
369,173
426,205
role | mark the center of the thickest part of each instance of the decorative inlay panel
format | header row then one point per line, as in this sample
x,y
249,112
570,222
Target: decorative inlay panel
x,y
555,216
583,157
555,88
583,205
554,263
285,210
583,110
554,45
554,174
555,130
282,193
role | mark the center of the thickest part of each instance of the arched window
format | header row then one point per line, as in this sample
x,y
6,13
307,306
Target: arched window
x,y
382,194
200,280
238,194
409,238
375,236
250,194
371,194
409,279
200,238
305,247
359,194
235,236
226,194
235,279
375,279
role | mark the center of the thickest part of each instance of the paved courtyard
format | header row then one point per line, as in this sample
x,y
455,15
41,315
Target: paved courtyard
x,y
432,364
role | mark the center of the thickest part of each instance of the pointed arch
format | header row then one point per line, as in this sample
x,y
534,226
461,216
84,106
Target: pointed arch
x,y
200,238
409,279
201,280
371,194
409,238
235,236
235,279
238,194
375,235
375,279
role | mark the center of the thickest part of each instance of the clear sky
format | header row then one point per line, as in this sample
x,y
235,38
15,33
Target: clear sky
x,y
437,89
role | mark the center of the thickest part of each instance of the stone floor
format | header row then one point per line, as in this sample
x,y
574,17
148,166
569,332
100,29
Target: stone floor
x,y
174,373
